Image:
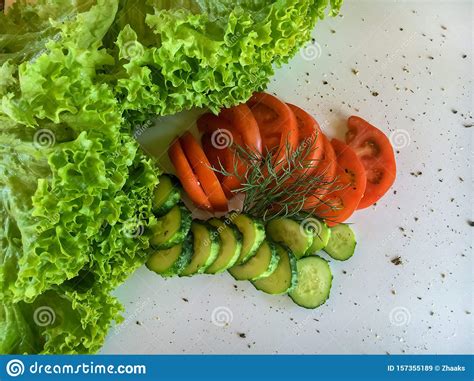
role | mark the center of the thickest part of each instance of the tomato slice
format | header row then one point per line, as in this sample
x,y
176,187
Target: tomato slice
x,y
309,134
245,124
350,185
275,120
209,124
232,161
187,177
374,150
326,170
328,165
206,176
215,155
215,146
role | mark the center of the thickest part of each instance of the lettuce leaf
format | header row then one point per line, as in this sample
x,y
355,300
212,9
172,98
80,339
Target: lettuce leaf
x,y
206,53
75,190
59,321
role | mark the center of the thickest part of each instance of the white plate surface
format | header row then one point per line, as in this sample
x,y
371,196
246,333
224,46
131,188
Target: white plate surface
x,y
407,68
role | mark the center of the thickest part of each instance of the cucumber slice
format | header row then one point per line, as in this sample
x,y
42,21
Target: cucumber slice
x,y
206,243
230,248
314,282
291,234
261,265
284,278
172,261
166,195
342,243
253,233
172,228
320,238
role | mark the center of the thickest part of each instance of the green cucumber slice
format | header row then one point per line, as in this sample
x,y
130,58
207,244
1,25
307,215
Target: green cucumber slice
x,y
172,228
230,248
206,243
291,234
172,261
166,195
284,278
342,243
253,233
261,265
314,282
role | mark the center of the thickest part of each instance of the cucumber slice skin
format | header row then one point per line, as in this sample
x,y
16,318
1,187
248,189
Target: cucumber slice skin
x,y
165,239
167,194
291,234
275,284
320,238
230,249
183,259
247,271
313,273
342,243
253,233
206,245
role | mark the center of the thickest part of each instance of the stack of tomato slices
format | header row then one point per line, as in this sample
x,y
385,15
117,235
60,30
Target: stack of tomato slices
x,y
358,171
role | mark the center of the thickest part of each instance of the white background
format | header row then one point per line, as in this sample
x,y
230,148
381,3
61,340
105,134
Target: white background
x,y
417,56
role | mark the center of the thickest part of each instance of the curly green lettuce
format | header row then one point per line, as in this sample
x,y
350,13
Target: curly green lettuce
x,y
211,54
75,191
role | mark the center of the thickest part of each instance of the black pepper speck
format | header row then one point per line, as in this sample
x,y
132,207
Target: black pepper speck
x,y
397,261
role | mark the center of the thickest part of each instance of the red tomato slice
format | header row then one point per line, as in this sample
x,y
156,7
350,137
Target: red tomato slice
x,y
245,124
209,124
326,170
206,176
374,150
341,203
309,134
187,177
275,118
328,165
232,183
216,139
215,155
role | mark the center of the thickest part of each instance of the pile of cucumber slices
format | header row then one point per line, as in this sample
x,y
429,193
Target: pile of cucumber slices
x,y
278,257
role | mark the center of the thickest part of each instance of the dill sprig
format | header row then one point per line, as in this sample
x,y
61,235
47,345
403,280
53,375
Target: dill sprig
x,y
276,185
